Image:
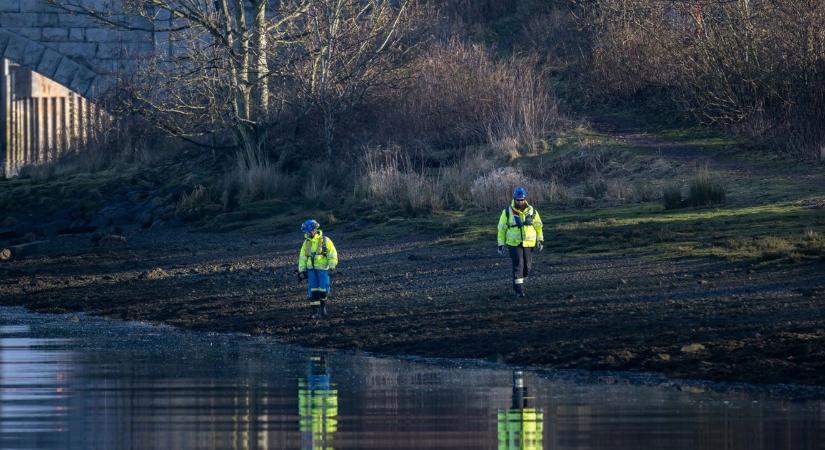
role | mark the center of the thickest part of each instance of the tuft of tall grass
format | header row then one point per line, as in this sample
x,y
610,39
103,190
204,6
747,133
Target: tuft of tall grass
x,y
705,190
494,189
255,179
644,192
390,179
191,205
463,95
595,187
672,196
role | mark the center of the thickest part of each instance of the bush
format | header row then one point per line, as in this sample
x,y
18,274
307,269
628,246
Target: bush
x,y
494,189
772,247
752,66
705,190
644,192
461,95
192,205
672,196
390,180
255,179
595,187
618,190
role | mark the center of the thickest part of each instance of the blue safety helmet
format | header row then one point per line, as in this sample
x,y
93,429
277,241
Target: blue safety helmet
x,y
519,194
310,225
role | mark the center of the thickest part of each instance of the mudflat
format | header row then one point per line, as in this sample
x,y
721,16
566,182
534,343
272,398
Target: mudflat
x,y
701,318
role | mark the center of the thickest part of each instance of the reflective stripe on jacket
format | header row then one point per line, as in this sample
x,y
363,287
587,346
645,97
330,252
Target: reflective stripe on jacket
x,y
519,227
317,253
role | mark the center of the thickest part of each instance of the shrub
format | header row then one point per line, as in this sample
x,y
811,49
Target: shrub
x,y
672,196
555,192
461,95
772,247
255,179
390,180
494,189
595,187
191,206
705,190
644,191
618,190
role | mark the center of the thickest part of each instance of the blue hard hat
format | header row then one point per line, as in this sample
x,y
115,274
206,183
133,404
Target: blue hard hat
x,y
310,225
519,194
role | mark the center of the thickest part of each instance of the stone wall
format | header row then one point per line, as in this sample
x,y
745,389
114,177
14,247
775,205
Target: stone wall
x,y
73,49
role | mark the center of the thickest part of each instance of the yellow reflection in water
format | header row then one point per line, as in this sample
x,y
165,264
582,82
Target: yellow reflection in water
x,y
317,407
521,427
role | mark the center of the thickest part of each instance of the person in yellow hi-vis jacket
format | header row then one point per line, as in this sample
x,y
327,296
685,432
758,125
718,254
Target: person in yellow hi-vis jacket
x,y
520,229
317,407
316,260
521,427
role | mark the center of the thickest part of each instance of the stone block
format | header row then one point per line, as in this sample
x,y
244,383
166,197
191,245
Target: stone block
x,y
35,6
48,63
82,81
76,20
101,86
77,34
103,35
140,23
123,51
9,21
105,66
15,48
10,6
47,19
30,33
78,50
110,51
66,71
32,54
55,34
4,41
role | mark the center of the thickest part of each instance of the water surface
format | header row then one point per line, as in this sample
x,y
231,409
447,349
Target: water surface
x,y
74,382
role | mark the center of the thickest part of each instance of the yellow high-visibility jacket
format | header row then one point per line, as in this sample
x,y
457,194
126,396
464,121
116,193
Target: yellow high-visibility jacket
x,y
317,253
519,227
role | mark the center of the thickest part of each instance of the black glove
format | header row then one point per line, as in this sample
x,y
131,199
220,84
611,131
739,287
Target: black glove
x,y
301,276
540,245
501,250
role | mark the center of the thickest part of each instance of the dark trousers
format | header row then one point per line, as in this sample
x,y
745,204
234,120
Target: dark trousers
x,y
522,262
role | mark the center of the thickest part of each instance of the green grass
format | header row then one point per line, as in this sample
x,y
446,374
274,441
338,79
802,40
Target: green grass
x,y
784,229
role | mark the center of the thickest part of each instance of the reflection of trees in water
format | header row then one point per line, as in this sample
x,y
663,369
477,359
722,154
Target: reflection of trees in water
x,y
317,407
522,426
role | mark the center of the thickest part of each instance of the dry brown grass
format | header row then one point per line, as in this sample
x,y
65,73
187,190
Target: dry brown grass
x,y
459,95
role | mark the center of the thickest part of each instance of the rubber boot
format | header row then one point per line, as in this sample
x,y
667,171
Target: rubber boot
x,y
315,304
323,308
519,288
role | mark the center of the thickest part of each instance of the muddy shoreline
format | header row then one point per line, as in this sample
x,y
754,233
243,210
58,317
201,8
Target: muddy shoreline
x,y
689,318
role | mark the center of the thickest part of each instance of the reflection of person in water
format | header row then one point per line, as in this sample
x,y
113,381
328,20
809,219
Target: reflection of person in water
x,y
317,407
521,427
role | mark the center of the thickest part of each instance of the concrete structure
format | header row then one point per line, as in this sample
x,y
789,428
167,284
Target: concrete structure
x,y
80,55
44,120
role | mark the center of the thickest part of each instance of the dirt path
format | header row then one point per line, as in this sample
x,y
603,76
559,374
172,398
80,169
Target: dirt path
x,y
687,318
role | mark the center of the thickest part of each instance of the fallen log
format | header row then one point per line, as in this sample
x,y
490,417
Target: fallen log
x,y
20,250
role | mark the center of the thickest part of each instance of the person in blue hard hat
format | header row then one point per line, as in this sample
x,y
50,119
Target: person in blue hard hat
x,y
520,231
316,260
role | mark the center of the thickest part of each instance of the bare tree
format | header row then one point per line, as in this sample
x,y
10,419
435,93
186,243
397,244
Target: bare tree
x,y
217,64
350,47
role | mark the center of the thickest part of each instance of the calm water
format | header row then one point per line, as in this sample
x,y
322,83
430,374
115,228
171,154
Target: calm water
x,y
85,383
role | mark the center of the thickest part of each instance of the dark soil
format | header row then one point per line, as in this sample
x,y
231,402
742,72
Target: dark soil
x,y
699,318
